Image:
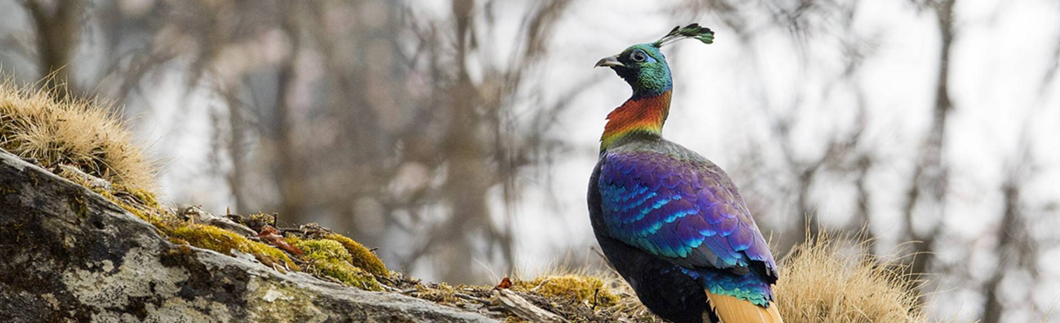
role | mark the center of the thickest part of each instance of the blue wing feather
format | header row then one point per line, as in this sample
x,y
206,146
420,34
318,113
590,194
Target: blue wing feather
x,y
685,211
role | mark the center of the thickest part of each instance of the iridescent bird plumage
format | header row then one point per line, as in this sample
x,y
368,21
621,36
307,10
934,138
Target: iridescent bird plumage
x,y
671,222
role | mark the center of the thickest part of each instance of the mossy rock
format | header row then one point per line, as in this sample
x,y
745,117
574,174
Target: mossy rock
x,y
362,257
331,258
220,240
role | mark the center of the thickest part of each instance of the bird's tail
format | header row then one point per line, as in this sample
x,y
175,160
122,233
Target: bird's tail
x,y
734,310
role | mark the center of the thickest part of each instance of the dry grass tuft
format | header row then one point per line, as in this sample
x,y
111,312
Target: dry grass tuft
x,y
80,133
829,280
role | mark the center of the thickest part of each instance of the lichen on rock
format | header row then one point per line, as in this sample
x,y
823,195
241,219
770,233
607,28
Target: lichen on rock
x,y
106,286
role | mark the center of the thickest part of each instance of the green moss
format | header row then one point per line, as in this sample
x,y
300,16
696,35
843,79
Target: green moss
x,y
346,273
144,197
330,258
584,289
220,240
362,257
152,216
323,249
292,239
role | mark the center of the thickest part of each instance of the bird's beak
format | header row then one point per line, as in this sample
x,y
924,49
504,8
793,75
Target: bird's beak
x,y
609,61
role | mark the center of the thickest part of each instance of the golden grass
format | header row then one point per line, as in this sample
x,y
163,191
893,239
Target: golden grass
x,y
828,280
76,132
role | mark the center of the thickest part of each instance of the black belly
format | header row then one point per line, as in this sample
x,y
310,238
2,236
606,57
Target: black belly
x,y
664,289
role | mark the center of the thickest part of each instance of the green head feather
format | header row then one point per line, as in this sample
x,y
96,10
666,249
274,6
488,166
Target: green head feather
x,y
694,30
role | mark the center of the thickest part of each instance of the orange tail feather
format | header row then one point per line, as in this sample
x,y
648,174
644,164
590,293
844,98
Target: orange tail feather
x,y
734,310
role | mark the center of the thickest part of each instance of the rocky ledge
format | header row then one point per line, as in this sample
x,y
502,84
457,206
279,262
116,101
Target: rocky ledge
x,y
68,254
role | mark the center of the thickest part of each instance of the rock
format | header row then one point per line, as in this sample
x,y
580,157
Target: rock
x,y
69,255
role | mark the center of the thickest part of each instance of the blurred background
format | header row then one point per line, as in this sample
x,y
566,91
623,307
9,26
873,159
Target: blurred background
x,y
457,137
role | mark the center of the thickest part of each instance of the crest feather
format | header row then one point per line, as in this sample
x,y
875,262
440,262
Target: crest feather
x,y
694,30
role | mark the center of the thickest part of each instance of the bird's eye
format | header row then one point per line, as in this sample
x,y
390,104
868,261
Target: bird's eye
x,y
637,56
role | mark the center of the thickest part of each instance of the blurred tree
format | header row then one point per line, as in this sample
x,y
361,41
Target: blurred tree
x,y
929,183
58,29
1015,250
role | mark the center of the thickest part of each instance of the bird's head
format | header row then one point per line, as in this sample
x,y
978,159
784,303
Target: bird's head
x,y
644,67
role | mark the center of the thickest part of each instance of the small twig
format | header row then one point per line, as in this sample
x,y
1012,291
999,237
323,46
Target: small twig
x,y
409,291
596,297
388,288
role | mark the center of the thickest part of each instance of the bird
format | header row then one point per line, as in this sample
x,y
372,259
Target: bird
x,y
669,221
